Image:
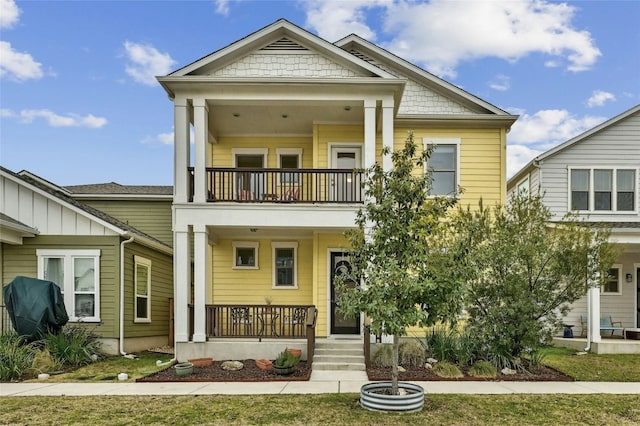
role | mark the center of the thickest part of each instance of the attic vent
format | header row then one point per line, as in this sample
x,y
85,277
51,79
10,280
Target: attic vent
x,y
284,44
362,56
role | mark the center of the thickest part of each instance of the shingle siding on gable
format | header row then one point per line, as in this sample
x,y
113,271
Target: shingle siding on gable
x,y
285,65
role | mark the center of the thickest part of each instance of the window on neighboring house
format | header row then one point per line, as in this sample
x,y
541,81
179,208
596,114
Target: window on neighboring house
x,y
77,273
444,166
612,281
285,268
142,287
245,254
523,187
289,158
603,190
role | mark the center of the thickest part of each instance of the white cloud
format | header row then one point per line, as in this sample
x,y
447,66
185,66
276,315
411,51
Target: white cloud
x,y
222,7
9,14
18,66
55,120
146,62
599,97
518,156
500,82
442,33
547,128
335,19
165,138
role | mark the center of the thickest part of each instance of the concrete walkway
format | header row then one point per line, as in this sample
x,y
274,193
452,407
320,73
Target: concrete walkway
x,y
321,382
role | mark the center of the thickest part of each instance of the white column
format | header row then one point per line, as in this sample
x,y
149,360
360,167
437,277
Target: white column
x,y
181,284
387,131
201,269
369,132
594,313
201,129
181,149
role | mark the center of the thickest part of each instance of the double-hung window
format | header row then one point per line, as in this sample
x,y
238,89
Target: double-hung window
x,y
603,190
612,282
285,268
289,158
77,273
443,166
142,287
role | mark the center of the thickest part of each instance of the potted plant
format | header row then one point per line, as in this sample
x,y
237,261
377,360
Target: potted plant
x,y
183,368
285,362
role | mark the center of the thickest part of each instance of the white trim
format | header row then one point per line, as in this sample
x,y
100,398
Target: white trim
x,y
349,147
457,142
68,287
635,283
288,151
617,266
250,151
284,244
255,245
142,261
527,178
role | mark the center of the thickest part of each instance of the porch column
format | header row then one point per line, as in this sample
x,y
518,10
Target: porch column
x,y
201,265
387,131
181,149
181,284
594,313
369,132
201,129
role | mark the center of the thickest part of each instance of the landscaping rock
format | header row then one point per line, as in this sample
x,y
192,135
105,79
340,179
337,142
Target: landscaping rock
x,y
428,366
401,369
232,365
508,371
432,360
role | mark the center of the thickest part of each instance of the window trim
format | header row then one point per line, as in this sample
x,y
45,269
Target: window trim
x,y
457,142
524,181
592,191
255,245
68,288
617,266
143,261
288,151
290,245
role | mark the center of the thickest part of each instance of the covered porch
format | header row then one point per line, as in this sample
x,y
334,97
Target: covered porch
x,y
604,346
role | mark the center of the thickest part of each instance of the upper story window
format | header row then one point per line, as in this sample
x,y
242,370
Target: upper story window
x,y
444,165
602,190
523,187
289,158
77,273
142,289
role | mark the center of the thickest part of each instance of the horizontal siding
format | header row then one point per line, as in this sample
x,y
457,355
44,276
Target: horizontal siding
x,y
149,216
221,153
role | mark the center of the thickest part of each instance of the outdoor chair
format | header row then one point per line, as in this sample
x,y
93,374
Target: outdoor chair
x,y
606,324
297,319
240,320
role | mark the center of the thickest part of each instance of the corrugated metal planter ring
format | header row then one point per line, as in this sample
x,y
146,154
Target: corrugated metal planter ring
x,y
373,396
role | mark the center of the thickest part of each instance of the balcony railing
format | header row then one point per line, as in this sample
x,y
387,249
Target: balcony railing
x,y
245,185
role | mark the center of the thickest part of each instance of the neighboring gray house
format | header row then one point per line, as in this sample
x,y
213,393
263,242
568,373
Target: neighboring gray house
x,y
597,176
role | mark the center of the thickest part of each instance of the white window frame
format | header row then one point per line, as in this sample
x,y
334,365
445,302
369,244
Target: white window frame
x,y
141,261
244,245
68,287
287,245
457,142
289,152
620,280
524,186
614,190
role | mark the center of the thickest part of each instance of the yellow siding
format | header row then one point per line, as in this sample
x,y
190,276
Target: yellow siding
x,y
221,153
327,134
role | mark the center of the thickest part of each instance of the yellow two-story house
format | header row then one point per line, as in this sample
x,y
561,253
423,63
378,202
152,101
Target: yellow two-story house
x,y
271,134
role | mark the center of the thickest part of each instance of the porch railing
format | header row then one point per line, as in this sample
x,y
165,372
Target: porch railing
x,y
257,321
282,185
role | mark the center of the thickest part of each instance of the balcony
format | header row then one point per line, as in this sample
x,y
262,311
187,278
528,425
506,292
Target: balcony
x,y
263,185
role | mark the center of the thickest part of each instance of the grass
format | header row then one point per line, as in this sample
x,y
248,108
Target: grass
x,y
328,409
594,367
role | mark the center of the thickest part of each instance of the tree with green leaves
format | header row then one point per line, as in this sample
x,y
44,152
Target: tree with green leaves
x,y
401,252
523,272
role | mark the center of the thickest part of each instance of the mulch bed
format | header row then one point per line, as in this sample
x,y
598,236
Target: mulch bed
x,y
302,372
214,373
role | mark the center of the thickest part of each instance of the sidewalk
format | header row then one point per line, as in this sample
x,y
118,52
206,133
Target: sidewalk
x,y
331,382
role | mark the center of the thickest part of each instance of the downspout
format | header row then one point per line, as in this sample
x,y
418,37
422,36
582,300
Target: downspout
x,y
122,352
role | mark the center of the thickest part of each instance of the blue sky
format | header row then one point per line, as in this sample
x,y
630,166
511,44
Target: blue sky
x,y
79,103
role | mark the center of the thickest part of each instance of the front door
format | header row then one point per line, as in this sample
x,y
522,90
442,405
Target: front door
x,y
341,324
345,184
249,185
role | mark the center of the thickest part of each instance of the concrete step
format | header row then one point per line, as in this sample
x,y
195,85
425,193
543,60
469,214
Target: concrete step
x,y
339,355
340,366
339,344
349,359
329,351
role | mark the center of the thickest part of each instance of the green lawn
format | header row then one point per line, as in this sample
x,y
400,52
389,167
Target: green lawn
x,y
593,367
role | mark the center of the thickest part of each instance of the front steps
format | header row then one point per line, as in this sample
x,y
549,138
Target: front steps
x,y
338,355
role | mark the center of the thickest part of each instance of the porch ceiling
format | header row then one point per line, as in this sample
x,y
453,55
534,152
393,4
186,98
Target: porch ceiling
x,y
240,118
246,233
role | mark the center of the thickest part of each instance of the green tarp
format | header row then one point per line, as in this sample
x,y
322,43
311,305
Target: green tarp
x,y
36,307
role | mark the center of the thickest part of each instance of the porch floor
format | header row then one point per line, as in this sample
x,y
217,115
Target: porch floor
x,y
605,346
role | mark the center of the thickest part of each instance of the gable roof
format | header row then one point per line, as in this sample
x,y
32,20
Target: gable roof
x,y
116,189
573,141
58,194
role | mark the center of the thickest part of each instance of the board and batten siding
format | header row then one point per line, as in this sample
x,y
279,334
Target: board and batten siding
x,y
22,260
617,146
152,217
161,292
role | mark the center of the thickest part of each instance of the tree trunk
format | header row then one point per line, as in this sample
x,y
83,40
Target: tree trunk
x,y
394,368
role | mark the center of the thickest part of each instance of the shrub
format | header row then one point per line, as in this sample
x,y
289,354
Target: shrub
x,y
483,369
383,357
74,345
16,356
447,369
411,353
536,359
442,344
286,359
44,362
